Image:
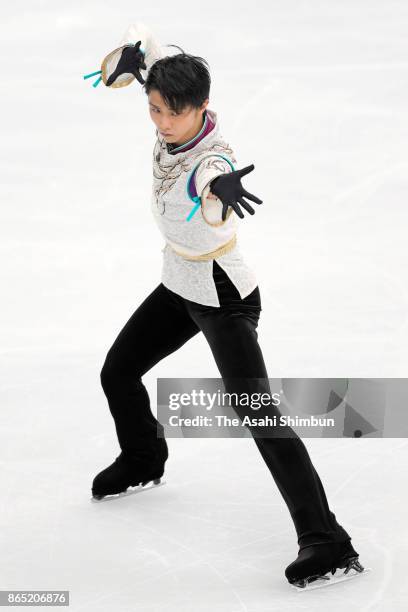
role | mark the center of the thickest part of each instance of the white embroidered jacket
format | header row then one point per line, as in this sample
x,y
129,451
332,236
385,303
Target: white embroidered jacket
x,y
171,204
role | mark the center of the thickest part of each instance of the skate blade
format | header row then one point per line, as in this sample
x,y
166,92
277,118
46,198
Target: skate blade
x,y
129,491
329,579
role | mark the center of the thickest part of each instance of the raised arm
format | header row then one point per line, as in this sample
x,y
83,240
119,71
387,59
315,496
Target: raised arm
x,y
138,50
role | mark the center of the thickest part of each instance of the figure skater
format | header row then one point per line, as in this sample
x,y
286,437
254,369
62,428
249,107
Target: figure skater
x,y
205,287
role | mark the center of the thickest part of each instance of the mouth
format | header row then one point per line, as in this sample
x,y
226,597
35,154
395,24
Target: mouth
x,y
163,134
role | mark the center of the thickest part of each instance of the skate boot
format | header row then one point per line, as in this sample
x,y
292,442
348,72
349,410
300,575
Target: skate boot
x,y
134,469
315,562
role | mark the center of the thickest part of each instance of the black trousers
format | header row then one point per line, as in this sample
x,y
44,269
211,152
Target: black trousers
x,y
163,323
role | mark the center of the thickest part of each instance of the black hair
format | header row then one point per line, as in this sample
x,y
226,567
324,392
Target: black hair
x,y
183,80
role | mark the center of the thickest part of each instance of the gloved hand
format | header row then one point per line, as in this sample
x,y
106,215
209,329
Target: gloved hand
x,y
131,60
229,190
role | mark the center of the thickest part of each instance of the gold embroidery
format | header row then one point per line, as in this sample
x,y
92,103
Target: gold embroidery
x,y
167,173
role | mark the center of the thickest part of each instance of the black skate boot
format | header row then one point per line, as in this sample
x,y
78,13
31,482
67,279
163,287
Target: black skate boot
x,y
316,560
131,470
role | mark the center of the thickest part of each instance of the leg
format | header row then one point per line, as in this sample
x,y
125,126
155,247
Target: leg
x,y
158,327
231,333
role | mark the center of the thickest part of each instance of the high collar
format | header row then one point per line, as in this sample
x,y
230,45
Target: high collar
x,y
201,145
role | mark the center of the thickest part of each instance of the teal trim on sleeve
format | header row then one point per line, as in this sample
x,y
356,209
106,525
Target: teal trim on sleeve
x,y
197,199
196,207
88,76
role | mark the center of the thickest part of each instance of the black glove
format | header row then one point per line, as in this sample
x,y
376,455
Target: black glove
x,y
229,190
131,60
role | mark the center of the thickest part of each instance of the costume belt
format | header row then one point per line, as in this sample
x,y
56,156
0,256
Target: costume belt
x,y
224,248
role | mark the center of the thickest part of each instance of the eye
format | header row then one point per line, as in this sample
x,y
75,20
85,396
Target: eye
x,y
156,110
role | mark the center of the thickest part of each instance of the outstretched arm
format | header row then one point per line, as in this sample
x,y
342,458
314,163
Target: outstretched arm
x,y
224,184
229,190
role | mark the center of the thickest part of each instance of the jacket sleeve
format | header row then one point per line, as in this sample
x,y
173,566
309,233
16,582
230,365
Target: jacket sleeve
x,y
209,169
150,46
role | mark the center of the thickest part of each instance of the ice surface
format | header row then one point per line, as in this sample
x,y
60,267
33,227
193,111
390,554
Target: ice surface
x,y
315,95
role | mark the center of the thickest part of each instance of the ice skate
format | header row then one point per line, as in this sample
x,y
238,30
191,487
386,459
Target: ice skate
x,y
320,565
130,474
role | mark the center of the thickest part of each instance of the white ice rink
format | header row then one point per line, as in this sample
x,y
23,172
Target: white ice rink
x,y
315,94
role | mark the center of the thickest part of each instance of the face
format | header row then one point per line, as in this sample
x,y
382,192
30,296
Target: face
x,y
175,128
